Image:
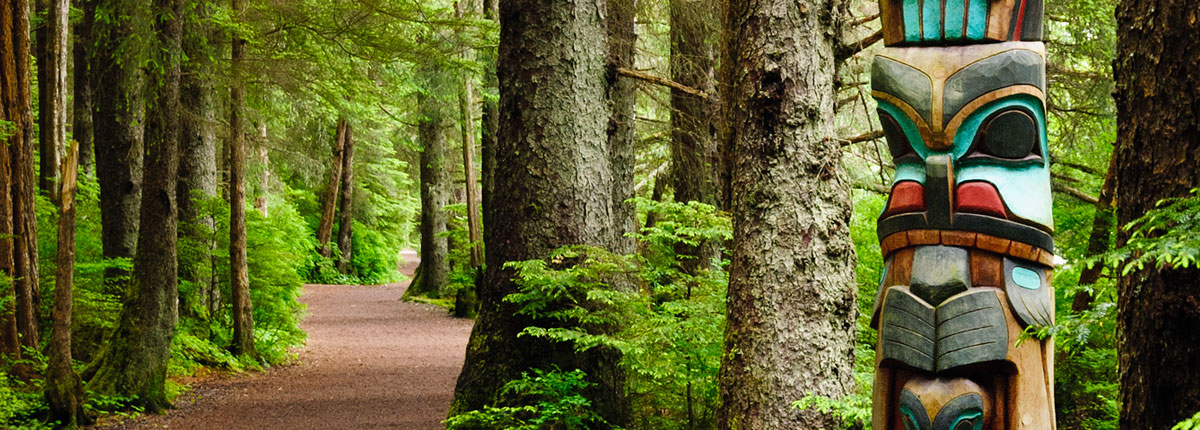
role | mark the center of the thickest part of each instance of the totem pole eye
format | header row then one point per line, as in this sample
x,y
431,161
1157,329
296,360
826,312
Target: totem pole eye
x,y
897,141
1010,134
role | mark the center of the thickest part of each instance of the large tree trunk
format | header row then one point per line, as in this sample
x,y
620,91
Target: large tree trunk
x,y
134,361
14,112
330,201
52,91
239,279
622,44
198,156
25,277
791,304
435,190
81,126
553,187
1158,127
695,155
346,212
118,122
64,388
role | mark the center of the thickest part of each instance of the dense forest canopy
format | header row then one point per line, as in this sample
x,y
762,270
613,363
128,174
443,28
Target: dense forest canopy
x,y
659,213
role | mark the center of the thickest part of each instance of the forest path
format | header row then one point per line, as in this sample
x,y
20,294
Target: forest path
x,y
371,362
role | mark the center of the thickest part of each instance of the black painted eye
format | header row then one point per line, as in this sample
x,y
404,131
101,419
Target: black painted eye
x,y
897,141
968,424
1011,134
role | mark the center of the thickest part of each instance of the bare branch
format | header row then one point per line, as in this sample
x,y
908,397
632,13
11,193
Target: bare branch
x,y
844,52
1068,190
661,81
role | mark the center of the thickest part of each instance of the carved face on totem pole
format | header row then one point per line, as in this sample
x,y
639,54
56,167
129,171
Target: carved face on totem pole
x,y
966,234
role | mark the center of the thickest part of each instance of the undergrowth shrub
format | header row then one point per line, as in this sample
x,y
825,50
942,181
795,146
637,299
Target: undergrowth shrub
x,y
548,400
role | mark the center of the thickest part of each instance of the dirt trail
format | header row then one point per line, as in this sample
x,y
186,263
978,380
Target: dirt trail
x,y
371,362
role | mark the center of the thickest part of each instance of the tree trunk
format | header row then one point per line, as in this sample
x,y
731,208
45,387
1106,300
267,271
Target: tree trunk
x,y
134,362
198,156
52,91
118,124
81,127
695,155
435,269
489,120
25,278
329,205
553,187
1099,239
622,44
1158,127
792,294
64,388
264,182
13,113
239,279
346,213
466,109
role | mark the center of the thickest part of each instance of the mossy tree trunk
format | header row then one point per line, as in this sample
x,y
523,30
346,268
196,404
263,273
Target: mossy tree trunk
x,y
64,388
553,186
24,186
329,201
133,363
792,293
52,91
81,126
346,212
435,188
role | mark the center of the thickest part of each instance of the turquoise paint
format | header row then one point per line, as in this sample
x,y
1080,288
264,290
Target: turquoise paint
x,y
1025,278
910,171
977,416
910,421
977,14
932,17
954,19
906,123
1024,187
912,21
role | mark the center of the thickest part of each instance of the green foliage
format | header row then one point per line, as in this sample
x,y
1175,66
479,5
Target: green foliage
x,y
1166,236
1192,423
544,400
669,329
374,258
21,403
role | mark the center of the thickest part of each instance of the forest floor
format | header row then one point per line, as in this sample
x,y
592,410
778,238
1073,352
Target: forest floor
x,y
371,362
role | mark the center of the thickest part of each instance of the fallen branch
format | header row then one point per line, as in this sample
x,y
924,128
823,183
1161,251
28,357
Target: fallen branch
x,y
661,81
1068,190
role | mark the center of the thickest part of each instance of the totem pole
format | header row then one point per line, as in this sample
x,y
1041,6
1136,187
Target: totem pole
x,y
966,234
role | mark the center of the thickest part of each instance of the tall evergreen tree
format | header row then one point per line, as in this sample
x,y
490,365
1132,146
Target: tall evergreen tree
x,y
239,278
792,294
434,272
134,361
553,186
1158,127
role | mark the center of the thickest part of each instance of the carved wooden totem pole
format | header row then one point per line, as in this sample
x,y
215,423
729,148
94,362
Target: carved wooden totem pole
x,y
966,234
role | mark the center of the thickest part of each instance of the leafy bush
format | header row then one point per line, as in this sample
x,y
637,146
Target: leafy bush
x,y
544,400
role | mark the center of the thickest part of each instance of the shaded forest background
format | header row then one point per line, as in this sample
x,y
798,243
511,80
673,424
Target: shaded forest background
x,y
229,153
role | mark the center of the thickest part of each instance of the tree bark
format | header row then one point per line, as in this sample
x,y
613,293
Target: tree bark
x,y
346,213
81,126
329,205
64,388
695,155
52,91
489,120
622,44
466,109
264,181
1158,127
553,187
198,155
1099,239
25,259
435,189
134,362
13,114
118,124
792,293
239,279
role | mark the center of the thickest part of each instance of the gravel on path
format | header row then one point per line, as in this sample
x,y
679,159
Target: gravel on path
x,y
371,362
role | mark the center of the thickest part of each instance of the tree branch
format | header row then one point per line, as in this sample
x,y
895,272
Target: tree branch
x,y
870,135
661,81
1068,190
844,52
